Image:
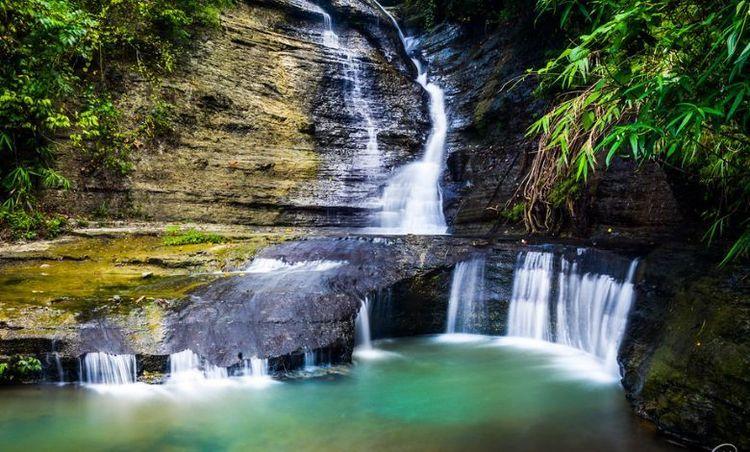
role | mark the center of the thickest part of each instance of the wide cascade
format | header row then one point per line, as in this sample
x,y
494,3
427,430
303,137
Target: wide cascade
x,y
529,308
466,298
108,369
591,307
412,202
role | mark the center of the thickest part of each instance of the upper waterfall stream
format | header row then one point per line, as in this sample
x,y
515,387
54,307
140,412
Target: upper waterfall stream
x,y
412,202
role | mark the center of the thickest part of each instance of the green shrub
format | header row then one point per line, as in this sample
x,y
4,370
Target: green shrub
x,y
514,213
663,80
174,235
31,224
53,82
20,368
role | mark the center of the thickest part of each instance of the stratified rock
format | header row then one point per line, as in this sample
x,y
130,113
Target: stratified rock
x,y
266,131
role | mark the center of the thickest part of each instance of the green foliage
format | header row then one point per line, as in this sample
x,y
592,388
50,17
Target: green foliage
x,y
662,80
53,82
100,140
174,235
429,13
20,368
514,213
24,224
159,122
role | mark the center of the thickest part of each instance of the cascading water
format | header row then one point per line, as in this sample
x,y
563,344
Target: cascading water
x,y
310,362
255,368
107,369
186,366
466,298
529,306
362,326
591,310
370,159
412,202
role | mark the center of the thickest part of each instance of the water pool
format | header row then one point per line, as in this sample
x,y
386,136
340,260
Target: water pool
x,y
423,393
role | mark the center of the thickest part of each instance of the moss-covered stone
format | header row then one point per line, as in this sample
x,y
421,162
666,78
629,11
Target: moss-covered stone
x,y
48,290
686,355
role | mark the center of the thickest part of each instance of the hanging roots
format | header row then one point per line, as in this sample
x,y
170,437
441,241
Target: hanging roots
x,y
548,189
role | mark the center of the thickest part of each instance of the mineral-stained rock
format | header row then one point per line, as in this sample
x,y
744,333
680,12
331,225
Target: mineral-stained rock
x,y
266,130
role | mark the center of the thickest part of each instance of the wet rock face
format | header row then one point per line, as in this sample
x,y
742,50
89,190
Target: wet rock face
x,y
686,353
309,303
419,305
490,108
267,131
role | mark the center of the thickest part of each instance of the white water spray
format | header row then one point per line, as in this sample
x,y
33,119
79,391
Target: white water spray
x,y
591,309
362,326
186,367
255,368
370,159
310,361
467,289
529,306
412,202
107,369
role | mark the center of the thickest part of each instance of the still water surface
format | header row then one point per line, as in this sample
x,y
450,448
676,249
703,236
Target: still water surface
x,y
421,394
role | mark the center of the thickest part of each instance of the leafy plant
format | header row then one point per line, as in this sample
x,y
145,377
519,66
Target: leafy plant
x,y
662,80
20,368
53,83
177,236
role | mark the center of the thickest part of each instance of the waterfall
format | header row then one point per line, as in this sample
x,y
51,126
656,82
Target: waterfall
x,y
412,202
591,309
362,326
254,367
370,159
103,368
310,362
466,298
186,366
529,306
52,360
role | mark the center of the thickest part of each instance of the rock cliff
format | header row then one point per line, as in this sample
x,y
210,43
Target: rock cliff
x,y
268,130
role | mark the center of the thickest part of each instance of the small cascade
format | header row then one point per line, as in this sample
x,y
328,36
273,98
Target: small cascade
x,y
330,39
529,306
265,265
591,308
370,159
187,366
54,370
104,368
412,202
59,367
362,326
466,298
310,361
254,367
